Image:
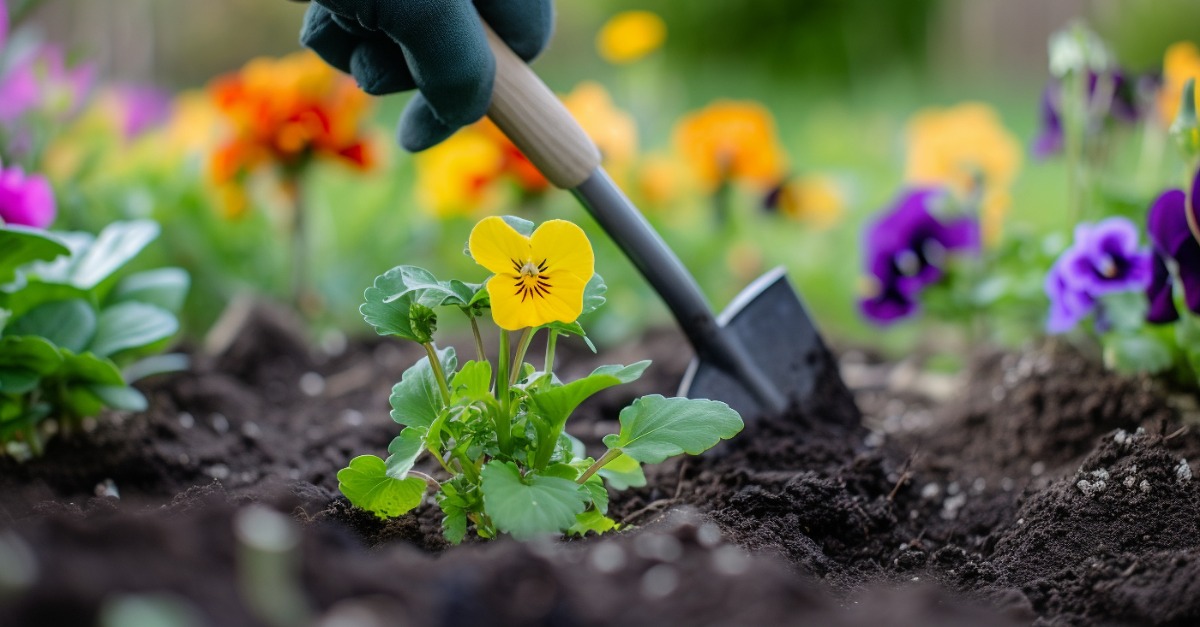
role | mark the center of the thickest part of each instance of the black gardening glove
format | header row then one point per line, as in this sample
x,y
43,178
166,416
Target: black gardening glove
x,y
436,46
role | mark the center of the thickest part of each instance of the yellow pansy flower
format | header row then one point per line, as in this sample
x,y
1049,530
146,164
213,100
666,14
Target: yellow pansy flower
x,y
815,199
966,149
613,130
459,176
731,141
1181,62
630,35
538,279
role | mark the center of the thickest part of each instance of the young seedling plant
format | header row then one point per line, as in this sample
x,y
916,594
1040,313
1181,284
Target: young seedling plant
x,y
496,429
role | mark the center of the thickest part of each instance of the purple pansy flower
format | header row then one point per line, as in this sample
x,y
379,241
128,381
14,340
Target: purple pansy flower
x,y
906,251
1123,106
1174,244
1104,259
25,200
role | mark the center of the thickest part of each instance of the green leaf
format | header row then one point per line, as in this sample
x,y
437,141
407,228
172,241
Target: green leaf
x,y
120,397
131,325
389,306
1124,311
473,381
20,245
573,328
5,316
654,428
1187,337
520,225
18,380
155,365
592,520
32,292
366,483
88,368
1137,353
70,324
529,506
416,399
404,451
593,294
165,287
454,523
118,243
622,473
556,404
31,353
427,289
597,492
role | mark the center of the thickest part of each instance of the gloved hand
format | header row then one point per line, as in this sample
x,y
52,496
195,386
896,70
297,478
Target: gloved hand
x,y
436,46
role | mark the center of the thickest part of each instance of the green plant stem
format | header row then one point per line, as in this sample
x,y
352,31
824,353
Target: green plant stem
x,y
478,338
504,419
608,456
548,367
519,360
430,481
440,374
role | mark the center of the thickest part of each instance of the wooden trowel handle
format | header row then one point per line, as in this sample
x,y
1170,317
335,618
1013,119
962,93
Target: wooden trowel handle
x,y
537,122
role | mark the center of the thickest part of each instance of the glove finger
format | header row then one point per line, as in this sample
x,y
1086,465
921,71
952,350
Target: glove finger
x,y
444,47
379,67
327,37
420,127
525,25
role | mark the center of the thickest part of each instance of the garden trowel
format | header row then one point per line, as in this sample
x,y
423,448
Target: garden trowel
x,y
762,355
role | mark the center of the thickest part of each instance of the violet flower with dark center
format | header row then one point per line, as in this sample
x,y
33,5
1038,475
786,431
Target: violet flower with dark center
x,y
25,200
906,250
1176,252
1123,105
1104,259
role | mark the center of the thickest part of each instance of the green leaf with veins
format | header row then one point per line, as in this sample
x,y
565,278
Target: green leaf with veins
x,y
473,381
654,427
367,484
131,325
622,473
416,400
573,328
427,289
389,304
529,506
20,245
404,451
115,246
29,352
594,521
593,294
598,493
454,523
67,323
555,405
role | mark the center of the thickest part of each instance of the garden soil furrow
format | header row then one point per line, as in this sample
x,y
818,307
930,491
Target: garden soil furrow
x,y
1028,497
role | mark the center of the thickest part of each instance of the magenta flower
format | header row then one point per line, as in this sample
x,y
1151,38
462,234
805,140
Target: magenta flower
x,y
1174,245
906,250
42,80
25,200
1104,259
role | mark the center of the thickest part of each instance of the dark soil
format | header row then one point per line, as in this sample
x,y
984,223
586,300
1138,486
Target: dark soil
x,y
1027,497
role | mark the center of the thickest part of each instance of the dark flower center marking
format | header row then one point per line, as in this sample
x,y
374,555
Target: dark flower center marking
x,y
532,279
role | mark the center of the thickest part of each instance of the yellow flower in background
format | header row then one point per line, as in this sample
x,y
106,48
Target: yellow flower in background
x,y
459,175
538,279
613,130
1181,62
630,35
731,141
966,149
814,199
662,180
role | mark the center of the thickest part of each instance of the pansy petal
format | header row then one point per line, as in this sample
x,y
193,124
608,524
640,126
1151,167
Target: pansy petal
x,y
498,247
514,309
1161,294
565,248
962,234
1188,259
1167,223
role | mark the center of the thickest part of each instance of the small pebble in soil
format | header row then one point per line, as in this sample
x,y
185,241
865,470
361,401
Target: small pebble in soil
x,y
186,420
1125,439
1037,468
930,491
874,439
979,485
220,472
659,582
219,422
333,342
1144,486
951,506
1183,472
1091,488
1007,484
730,560
312,384
608,557
251,430
352,417
657,546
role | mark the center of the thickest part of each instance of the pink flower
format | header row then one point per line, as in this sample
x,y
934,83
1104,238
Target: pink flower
x,y
25,200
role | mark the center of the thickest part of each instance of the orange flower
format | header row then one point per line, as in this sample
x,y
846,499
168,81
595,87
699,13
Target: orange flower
x,y
967,149
731,141
613,130
516,164
459,176
815,199
1181,62
286,111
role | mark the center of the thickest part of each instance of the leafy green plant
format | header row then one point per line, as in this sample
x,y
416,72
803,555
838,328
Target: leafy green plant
x,y
496,430
74,331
